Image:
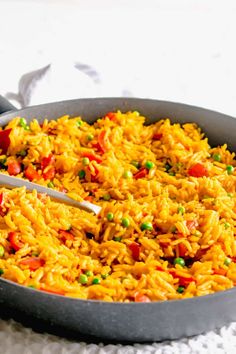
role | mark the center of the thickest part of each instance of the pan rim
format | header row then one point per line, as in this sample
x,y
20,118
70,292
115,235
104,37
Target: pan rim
x,y
116,303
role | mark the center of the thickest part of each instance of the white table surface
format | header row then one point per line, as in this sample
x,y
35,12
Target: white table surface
x,y
167,49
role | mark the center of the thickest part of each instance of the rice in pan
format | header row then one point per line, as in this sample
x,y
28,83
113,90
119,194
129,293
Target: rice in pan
x,y
167,225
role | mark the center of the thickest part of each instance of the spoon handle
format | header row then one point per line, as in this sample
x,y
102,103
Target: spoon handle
x,y
15,182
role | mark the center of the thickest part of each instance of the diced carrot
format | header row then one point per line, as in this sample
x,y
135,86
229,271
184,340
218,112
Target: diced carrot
x,y
31,174
66,235
13,167
220,271
141,298
14,241
52,291
92,157
32,263
191,224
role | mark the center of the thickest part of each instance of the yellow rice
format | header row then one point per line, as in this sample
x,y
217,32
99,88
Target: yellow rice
x,y
195,213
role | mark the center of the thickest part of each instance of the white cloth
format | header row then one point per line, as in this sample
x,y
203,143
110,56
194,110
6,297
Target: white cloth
x,y
14,338
51,83
60,81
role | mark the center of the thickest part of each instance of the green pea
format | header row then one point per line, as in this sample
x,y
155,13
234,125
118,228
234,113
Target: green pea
x,y
3,162
117,238
81,174
173,229
197,233
181,210
179,165
22,153
230,195
110,216
125,222
1,271
104,276
23,124
89,273
2,251
146,226
35,254
216,157
135,164
79,123
90,137
180,289
167,166
149,165
83,279
32,286
230,169
50,185
206,197
179,261
171,173
85,161
226,225
96,281
127,174
107,197
227,261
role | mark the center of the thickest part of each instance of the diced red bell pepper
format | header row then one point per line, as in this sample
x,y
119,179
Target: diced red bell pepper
x,y
157,136
159,268
65,235
102,141
14,241
135,250
164,243
5,140
182,250
198,170
52,291
185,281
143,172
31,174
32,263
49,172
46,161
92,157
110,115
172,272
138,297
191,224
13,168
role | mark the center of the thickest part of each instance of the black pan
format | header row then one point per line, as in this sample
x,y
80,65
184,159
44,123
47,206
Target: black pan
x,y
133,322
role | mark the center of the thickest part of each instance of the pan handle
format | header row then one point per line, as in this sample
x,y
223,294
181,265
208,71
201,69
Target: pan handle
x,y
5,105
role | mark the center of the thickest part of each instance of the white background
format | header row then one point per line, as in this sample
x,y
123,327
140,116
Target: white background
x,y
180,50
